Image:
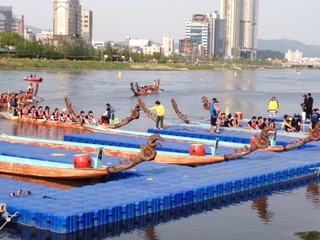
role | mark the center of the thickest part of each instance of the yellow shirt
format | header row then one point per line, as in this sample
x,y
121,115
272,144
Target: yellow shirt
x,y
273,105
159,109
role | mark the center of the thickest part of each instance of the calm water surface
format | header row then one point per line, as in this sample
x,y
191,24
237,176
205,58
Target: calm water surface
x,y
279,215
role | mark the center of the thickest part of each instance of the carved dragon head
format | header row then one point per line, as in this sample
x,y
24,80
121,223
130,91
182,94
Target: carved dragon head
x,y
206,103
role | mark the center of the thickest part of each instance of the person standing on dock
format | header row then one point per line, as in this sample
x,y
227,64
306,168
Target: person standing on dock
x,y
214,114
273,107
309,106
160,114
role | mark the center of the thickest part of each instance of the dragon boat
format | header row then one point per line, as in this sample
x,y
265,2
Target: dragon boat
x,y
81,168
136,92
29,120
261,142
135,114
207,106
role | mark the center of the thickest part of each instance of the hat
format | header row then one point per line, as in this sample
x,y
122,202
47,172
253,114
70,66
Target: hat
x,y
304,95
63,109
273,97
214,99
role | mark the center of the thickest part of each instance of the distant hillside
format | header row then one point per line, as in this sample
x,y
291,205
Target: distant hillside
x,y
34,29
283,45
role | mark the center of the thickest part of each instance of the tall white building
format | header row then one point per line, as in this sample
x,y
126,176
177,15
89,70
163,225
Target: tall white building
x,y
249,29
67,19
87,26
168,45
293,56
241,28
197,30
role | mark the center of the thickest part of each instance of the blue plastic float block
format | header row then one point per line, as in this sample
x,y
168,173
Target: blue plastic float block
x,y
135,142
135,195
196,132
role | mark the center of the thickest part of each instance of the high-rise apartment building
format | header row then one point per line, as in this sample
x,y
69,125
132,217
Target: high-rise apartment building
x,y
18,25
168,45
241,28
197,30
67,19
5,19
86,26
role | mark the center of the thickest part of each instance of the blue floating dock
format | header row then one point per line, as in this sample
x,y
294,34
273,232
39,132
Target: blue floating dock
x,y
148,188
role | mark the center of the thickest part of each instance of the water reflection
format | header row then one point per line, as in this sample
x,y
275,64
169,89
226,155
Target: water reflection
x,y
42,130
313,195
261,205
145,225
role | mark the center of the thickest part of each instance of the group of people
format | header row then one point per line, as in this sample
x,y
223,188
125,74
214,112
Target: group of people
x,y
15,99
62,116
260,123
220,119
146,88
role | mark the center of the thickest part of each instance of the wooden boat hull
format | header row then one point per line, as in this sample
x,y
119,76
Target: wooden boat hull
x,y
73,125
191,161
50,172
36,79
145,93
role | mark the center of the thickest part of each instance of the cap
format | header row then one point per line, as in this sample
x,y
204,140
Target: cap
x,y
273,97
304,95
214,99
63,109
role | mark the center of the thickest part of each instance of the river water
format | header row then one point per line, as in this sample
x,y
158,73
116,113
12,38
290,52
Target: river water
x,y
278,215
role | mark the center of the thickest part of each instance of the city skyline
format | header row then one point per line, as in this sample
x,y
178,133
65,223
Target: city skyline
x,y
114,21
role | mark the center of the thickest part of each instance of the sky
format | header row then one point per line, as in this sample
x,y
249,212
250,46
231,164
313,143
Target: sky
x,y
152,19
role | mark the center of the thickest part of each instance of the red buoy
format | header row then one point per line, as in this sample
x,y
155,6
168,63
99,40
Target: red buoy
x,y
82,161
240,115
197,150
252,141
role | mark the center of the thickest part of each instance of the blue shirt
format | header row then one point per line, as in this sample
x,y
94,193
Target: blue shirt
x,y
213,112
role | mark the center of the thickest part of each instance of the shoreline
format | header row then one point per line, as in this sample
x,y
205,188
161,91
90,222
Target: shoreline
x,y
44,64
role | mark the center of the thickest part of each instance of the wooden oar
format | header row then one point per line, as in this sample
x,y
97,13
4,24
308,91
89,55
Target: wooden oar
x,y
172,120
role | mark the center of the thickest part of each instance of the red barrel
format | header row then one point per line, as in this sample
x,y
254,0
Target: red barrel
x,y
252,141
82,161
197,150
240,115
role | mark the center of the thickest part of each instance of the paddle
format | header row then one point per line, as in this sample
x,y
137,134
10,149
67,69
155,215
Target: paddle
x,y
173,120
161,89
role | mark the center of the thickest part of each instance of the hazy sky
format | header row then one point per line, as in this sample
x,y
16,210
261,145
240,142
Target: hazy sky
x,y
151,19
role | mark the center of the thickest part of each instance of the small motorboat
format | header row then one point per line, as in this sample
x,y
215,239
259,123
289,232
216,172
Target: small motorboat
x,y
33,79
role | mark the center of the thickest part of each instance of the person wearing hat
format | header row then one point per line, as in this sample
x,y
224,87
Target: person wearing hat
x,y
214,115
64,116
108,114
273,107
315,117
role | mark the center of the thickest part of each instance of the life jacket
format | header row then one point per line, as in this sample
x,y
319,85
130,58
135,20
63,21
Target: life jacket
x,y
25,112
64,117
253,124
315,117
56,116
33,113
40,114
47,115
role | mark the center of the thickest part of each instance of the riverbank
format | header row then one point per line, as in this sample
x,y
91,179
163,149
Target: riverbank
x,y
44,64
